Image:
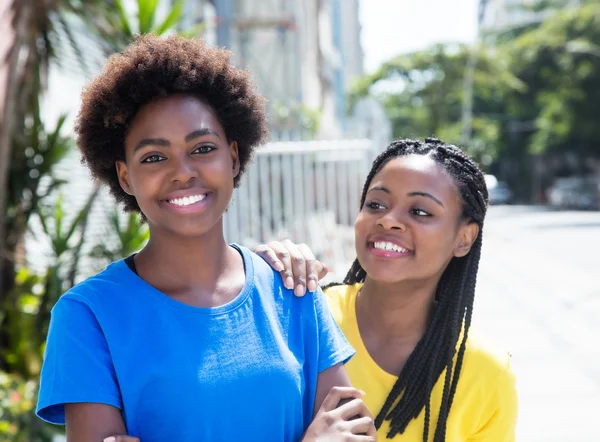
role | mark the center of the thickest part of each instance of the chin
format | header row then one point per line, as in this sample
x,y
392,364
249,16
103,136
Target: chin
x,y
193,230
387,277
183,228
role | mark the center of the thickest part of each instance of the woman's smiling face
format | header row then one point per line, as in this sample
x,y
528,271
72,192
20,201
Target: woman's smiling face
x,y
179,165
410,225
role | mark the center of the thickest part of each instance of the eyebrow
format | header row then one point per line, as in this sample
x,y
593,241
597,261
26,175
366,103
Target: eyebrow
x,y
166,143
425,194
200,133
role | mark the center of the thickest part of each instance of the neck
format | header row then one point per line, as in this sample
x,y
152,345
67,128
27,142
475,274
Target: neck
x,y
177,262
397,311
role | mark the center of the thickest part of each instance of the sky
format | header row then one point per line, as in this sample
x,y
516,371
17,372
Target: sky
x,y
393,27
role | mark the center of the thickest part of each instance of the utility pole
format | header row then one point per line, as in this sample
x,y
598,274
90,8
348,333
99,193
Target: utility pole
x,y
467,103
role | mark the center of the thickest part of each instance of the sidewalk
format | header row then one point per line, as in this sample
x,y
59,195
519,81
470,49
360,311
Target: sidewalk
x,y
546,312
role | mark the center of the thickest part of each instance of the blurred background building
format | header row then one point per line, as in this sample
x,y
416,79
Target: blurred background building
x,y
502,14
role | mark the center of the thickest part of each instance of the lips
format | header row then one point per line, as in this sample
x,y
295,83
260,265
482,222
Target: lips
x,y
186,193
388,247
387,242
187,198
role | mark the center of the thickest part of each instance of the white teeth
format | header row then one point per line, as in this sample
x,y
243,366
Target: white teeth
x,y
187,200
385,245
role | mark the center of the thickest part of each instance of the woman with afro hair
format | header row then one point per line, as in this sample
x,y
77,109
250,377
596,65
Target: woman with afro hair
x,y
191,339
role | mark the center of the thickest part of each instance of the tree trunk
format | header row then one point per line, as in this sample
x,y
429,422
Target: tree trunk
x,y
14,18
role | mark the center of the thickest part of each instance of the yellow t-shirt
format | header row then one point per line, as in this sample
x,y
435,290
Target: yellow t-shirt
x,y
485,403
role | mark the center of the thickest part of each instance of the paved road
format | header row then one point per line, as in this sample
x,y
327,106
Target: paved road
x,y
539,297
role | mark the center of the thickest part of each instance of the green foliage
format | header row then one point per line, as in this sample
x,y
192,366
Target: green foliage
x,y
36,154
18,422
560,62
116,26
130,233
535,90
23,352
290,117
26,310
423,93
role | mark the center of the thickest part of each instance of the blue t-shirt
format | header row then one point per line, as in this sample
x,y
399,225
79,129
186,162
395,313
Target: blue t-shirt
x,y
246,370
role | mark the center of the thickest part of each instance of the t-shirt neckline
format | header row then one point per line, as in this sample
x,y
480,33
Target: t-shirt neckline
x,y
131,277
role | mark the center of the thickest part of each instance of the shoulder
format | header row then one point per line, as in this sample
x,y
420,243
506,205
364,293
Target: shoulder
x,y
488,390
268,284
261,270
104,289
263,277
486,362
341,299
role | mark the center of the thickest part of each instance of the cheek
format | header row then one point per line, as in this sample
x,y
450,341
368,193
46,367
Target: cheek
x,y
360,228
437,238
144,181
221,170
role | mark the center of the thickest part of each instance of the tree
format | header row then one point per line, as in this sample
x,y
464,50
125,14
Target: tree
x,y
423,94
560,62
35,29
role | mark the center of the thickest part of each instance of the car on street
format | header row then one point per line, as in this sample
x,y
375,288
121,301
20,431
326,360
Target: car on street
x,y
575,192
499,191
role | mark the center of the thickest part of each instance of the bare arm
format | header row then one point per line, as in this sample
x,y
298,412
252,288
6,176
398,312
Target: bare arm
x,y
90,422
335,376
340,414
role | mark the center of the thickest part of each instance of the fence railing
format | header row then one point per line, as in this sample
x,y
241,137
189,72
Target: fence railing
x,y
307,191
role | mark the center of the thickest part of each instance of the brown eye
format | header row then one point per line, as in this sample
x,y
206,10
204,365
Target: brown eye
x,y
420,212
153,159
374,205
204,149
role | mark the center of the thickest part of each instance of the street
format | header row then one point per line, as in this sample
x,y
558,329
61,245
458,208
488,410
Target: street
x,y
538,296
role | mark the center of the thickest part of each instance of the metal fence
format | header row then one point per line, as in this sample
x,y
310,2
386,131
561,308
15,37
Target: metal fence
x,y
307,191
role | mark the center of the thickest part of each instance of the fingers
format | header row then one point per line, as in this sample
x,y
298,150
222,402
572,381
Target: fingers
x,y
284,256
311,268
372,431
367,438
121,439
269,255
337,394
363,426
278,257
322,270
298,266
356,407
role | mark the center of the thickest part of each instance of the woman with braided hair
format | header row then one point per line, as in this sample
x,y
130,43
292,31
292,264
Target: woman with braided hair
x,y
406,304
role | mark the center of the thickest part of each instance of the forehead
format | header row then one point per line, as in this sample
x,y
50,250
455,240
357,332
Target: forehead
x,y
174,113
416,173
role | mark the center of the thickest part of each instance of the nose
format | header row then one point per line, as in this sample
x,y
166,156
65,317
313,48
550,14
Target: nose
x,y
391,221
183,168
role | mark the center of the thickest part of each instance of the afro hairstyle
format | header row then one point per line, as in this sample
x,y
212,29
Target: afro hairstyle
x,y
153,67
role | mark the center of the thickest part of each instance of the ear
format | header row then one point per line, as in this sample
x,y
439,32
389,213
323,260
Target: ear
x,y
235,158
467,234
123,177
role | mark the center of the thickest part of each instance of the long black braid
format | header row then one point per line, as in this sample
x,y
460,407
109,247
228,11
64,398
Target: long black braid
x,y
436,351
